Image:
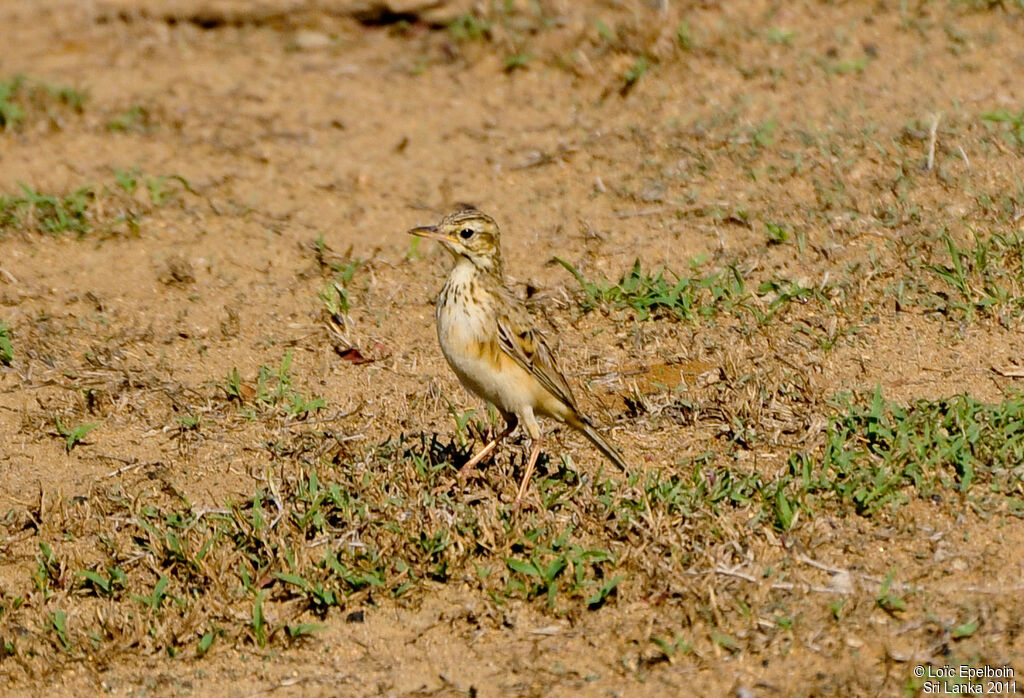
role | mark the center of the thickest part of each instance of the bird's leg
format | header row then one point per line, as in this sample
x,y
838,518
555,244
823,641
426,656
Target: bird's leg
x,y
534,452
511,422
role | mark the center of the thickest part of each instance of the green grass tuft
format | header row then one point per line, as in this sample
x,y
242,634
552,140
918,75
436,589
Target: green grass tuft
x,y
1012,125
877,453
22,97
82,211
663,293
73,435
6,345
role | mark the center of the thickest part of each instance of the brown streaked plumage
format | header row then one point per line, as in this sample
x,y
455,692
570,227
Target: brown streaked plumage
x,y
490,342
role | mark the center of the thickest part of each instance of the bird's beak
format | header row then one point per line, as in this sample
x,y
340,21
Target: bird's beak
x,y
431,232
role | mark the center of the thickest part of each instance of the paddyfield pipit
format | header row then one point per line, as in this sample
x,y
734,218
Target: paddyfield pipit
x,y
490,341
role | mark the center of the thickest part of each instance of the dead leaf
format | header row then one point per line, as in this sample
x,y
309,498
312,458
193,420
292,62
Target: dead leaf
x,y
354,356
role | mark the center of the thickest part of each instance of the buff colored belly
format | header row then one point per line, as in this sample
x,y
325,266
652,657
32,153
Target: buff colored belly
x,y
486,371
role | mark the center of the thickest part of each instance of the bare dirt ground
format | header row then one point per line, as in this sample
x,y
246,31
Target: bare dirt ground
x,y
228,437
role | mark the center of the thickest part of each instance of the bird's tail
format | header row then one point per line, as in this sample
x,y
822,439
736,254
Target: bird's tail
x,y
583,425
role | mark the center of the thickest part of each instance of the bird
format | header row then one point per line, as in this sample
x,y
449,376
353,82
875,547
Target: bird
x,y
490,341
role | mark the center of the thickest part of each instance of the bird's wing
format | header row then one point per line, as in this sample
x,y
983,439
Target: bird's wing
x,y
527,347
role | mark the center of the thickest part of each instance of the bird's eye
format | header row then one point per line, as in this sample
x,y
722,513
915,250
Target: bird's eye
x,y
466,233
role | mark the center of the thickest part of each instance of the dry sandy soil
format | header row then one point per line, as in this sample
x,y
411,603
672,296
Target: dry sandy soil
x,y
228,437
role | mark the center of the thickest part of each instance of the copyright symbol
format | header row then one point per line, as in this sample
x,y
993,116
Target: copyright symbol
x,y
919,671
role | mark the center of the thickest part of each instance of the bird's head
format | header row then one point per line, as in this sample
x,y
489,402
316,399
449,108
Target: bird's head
x,y
468,234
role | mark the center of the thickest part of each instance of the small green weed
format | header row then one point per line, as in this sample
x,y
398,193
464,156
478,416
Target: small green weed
x,y
335,298
780,293
302,630
703,487
127,180
763,134
461,423
782,37
259,621
273,389
155,600
103,585
70,96
73,435
684,36
59,624
10,111
135,120
189,422
856,65
49,213
559,566
48,570
778,233
335,295
21,97
517,61
6,345
671,648
985,278
205,643
233,385
469,27
158,192
1012,125
78,212
888,601
663,293
633,75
